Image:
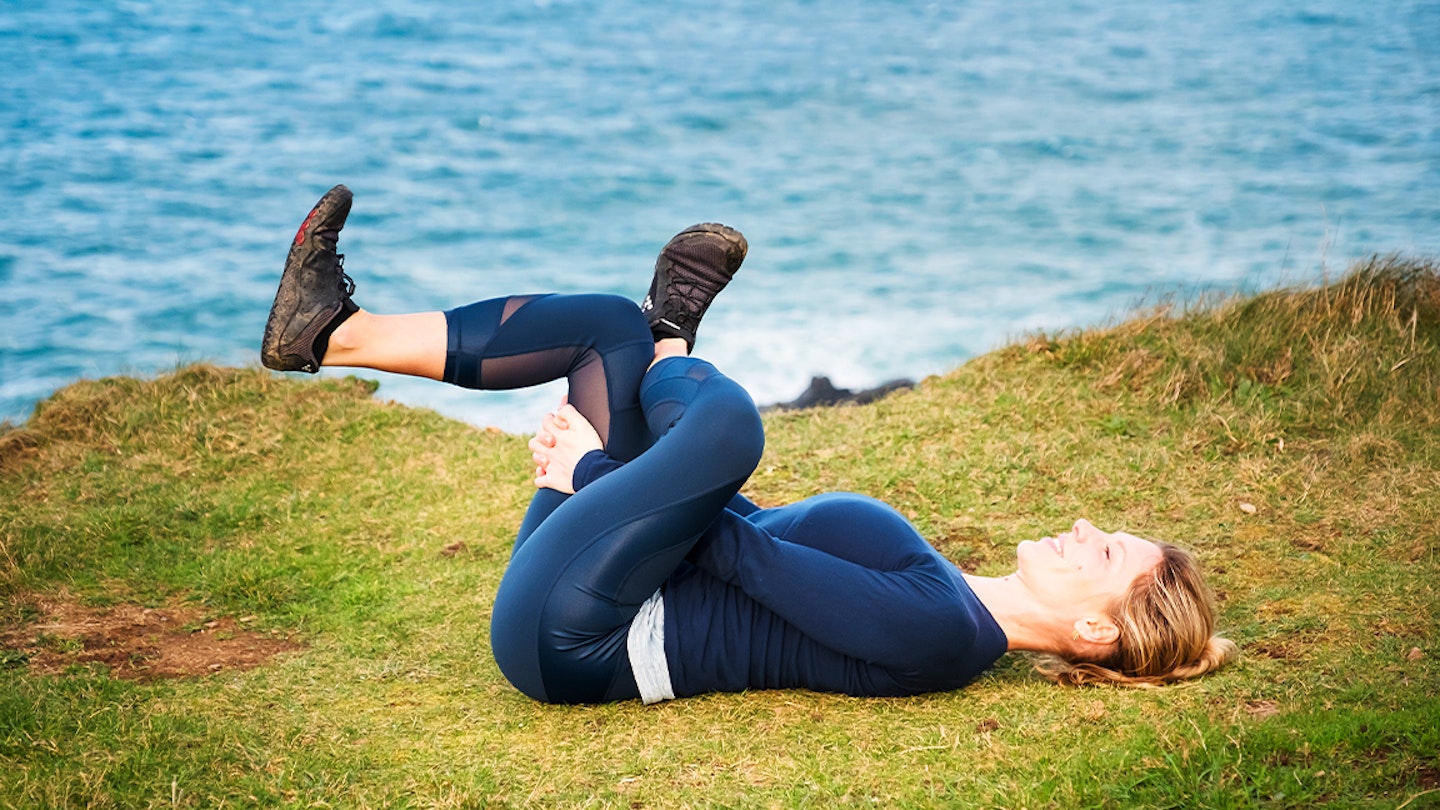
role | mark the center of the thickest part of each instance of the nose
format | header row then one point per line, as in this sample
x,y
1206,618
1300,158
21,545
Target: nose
x,y
1083,530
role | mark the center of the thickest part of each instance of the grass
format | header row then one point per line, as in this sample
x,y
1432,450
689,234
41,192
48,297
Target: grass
x,y
1291,438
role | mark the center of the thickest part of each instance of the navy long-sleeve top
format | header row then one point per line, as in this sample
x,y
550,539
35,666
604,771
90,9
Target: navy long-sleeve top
x,y
836,593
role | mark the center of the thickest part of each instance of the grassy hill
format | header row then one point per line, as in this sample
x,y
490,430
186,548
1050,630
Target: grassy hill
x,y
223,588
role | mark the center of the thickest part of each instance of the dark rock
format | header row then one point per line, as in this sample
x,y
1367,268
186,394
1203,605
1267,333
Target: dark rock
x,y
823,393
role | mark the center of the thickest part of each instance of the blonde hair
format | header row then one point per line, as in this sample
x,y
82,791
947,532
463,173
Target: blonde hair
x,y
1167,631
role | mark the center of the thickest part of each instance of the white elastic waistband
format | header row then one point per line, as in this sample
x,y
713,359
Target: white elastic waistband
x,y
646,645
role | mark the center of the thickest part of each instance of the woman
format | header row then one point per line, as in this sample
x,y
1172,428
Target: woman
x,y
640,571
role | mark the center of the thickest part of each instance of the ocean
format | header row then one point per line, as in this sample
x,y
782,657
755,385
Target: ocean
x,y
919,182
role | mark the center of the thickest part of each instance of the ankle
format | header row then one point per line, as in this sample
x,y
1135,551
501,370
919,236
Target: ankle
x,y
670,347
349,336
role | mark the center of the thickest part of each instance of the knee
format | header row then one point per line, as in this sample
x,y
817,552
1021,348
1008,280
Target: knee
x,y
616,315
735,432
716,415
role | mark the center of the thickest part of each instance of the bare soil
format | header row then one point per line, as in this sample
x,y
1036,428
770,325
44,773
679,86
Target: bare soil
x,y
135,642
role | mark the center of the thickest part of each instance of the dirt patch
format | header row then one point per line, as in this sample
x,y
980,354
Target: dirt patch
x,y
1261,709
1279,648
135,642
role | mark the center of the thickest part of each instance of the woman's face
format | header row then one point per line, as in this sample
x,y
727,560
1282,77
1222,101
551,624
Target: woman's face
x,y
1084,568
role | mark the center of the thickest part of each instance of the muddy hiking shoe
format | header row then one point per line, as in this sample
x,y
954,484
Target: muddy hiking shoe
x,y
314,294
692,269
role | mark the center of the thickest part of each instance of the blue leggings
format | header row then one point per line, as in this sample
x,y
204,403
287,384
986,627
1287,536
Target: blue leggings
x,y
583,564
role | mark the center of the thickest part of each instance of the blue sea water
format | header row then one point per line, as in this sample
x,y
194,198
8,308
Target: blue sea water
x,y
920,182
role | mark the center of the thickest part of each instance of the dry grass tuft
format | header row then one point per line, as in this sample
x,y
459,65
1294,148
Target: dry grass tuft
x,y
1336,352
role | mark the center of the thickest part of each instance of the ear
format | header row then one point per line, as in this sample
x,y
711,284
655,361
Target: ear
x,y
1097,630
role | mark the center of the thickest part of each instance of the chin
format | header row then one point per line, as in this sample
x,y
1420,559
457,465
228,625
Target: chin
x,y
1024,551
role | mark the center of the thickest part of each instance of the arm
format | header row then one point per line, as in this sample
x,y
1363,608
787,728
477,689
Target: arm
x,y
899,609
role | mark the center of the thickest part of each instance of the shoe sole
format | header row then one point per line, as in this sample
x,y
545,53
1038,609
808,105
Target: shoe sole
x,y
735,251
287,297
736,248
691,273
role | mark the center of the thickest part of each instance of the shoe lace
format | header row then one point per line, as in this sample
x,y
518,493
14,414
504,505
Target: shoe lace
x,y
347,284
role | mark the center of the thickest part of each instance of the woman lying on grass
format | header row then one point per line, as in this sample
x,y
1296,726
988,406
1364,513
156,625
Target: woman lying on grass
x,y
640,571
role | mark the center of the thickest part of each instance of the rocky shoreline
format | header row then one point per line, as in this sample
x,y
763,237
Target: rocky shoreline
x,y
823,393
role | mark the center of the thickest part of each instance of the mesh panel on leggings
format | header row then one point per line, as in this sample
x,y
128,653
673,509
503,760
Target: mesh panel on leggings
x,y
513,303
589,390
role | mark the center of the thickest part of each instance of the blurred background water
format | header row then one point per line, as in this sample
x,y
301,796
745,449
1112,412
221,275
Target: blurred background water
x,y
919,182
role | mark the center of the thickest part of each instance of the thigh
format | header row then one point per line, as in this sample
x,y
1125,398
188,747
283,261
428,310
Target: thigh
x,y
853,527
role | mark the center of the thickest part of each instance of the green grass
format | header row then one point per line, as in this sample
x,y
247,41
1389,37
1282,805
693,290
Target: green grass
x,y
326,515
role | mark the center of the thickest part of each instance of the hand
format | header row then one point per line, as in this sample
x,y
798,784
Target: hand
x,y
565,436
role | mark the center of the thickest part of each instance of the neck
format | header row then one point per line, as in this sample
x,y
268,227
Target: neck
x,y
1026,625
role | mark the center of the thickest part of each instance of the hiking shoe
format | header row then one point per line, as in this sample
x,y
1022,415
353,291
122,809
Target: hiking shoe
x,y
692,269
314,294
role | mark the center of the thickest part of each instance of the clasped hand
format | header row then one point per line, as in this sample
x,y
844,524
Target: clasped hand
x,y
565,436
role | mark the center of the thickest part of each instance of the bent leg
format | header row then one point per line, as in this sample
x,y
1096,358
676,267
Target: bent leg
x,y
565,604
599,343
